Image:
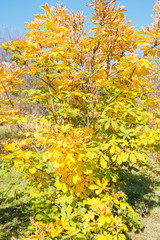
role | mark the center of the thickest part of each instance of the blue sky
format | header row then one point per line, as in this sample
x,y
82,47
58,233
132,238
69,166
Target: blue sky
x,y
14,13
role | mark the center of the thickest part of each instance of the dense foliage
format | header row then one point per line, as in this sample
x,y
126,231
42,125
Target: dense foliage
x,y
101,117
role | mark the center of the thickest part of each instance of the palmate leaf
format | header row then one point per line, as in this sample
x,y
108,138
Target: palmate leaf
x,y
99,186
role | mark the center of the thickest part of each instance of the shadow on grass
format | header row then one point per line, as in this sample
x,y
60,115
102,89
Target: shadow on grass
x,y
140,190
14,221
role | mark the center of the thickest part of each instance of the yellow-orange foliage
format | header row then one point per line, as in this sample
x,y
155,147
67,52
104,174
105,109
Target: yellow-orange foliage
x,y
95,87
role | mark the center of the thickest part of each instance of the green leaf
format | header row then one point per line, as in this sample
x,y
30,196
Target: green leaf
x,y
107,124
114,125
69,210
80,237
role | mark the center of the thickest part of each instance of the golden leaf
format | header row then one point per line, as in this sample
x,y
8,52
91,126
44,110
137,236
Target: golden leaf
x,y
132,158
103,162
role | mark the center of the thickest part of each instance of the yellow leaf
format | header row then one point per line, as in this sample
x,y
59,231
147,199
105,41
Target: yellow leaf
x,y
116,201
32,170
98,182
90,154
36,237
93,187
106,146
39,166
158,53
108,219
24,120
28,154
106,158
46,156
19,122
93,30
132,158
101,237
112,150
104,182
64,188
140,156
58,185
119,160
76,179
72,229
101,221
125,156
98,191
122,205
121,237
10,147
103,162
88,171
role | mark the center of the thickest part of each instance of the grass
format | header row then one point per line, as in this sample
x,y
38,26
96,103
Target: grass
x,y
143,191
13,221
14,209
